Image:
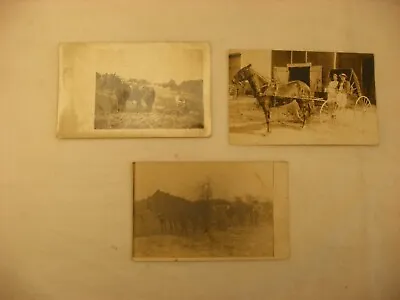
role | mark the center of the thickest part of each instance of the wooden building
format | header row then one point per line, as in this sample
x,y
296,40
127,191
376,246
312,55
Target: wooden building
x,y
313,68
310,67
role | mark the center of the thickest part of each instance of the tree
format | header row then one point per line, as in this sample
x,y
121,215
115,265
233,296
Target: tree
x,y
206,190
205,205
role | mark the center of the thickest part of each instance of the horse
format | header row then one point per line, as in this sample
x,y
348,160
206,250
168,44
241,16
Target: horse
x,y
177,215
267,92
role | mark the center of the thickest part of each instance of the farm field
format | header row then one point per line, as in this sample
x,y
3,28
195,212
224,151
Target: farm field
x,y
164,115
247,126
235,242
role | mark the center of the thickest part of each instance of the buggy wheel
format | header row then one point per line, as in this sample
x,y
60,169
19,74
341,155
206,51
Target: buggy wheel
x,y
327,112
362,104
353,89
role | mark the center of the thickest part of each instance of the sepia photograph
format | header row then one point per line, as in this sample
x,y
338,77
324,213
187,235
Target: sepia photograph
x,y
288,97
117,90
202,211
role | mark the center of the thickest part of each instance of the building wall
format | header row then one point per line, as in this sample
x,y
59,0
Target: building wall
x,y
350,60
299,57
360,63
260,60
235,62
324,59
280,58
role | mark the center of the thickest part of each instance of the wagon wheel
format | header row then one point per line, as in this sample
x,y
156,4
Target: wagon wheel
x,y
362,104
327,112
353,89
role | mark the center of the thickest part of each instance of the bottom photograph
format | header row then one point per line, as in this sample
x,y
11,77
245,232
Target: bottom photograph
x,y
189,211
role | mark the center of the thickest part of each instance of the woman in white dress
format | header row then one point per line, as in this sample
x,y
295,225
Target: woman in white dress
x,y
332,89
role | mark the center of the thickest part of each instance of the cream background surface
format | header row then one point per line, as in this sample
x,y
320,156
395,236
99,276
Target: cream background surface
x,y
66,205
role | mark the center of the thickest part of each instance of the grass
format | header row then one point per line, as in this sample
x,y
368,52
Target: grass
x,y
235,242
165,114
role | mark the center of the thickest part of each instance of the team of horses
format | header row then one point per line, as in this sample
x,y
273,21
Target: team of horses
x,y
179,216
269,93
119,91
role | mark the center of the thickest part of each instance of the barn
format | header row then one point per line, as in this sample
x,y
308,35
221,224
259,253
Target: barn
x,y
311,67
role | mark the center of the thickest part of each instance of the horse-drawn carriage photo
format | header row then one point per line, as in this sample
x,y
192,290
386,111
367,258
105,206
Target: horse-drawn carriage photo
x,y
301,97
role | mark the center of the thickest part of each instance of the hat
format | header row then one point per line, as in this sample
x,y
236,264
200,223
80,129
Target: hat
x,y
343,75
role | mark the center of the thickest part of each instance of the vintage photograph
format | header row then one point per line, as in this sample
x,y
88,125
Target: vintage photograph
x,y
134,90
210,211
288,97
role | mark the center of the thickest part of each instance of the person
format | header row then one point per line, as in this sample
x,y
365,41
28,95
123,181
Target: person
x,y
343,91
333,89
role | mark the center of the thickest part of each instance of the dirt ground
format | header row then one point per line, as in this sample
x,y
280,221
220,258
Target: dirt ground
x,y
247,126
164,115
235,242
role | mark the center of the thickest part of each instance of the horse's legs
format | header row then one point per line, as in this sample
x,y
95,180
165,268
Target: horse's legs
x,y
307,113
304,109
304,117
266,111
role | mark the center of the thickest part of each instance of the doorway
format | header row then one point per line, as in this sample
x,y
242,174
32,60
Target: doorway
x,y
300,73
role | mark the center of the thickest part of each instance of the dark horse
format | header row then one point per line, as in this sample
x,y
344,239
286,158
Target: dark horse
x,y
270,94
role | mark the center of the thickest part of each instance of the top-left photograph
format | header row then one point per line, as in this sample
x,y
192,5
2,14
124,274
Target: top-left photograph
x,y
133,90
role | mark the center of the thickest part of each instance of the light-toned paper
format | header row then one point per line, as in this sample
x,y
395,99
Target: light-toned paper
x,y
122,90
288,97
201,211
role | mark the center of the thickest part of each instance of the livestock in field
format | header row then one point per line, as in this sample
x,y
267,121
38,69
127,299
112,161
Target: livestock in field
x,y
116,89
178,216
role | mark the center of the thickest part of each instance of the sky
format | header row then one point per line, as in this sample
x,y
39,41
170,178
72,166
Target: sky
x,y
156,63
228,180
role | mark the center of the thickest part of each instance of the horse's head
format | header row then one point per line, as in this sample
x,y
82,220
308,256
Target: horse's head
x,y
151,204
242,75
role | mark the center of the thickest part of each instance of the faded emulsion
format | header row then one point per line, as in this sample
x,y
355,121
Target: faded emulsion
x,y
196,218
128,90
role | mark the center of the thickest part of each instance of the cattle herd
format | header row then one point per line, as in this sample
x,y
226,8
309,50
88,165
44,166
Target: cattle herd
x,y
163,213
